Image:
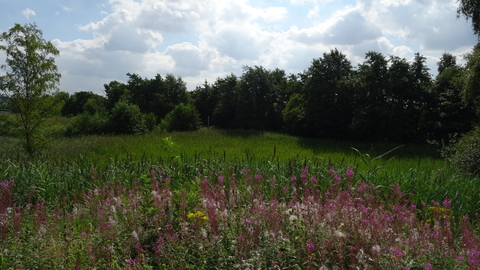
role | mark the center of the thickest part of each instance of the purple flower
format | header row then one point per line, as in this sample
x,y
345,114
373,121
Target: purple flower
x,y
310,246
427,266
349,174
447,203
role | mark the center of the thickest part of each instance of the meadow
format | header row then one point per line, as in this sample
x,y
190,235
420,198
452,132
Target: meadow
x,y
216,199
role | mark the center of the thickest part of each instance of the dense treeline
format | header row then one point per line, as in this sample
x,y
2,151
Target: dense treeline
x,y
383,99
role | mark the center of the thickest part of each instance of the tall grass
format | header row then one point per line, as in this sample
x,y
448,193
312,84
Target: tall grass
x,y
65,167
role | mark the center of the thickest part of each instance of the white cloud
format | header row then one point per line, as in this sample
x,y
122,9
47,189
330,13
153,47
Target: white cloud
x,y
200,40
313,13
273,14
28,12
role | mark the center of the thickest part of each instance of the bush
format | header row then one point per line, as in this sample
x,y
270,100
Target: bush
x,y
126,119
87,124
182,118
465,155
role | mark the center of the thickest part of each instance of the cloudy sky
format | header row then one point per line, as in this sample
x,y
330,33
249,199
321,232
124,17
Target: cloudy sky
x,y
102,40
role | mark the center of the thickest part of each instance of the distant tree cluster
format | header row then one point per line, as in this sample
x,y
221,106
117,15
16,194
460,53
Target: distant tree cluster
x,y
383,99
132,108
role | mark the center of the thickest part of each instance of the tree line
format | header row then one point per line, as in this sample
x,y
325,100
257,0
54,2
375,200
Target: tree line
x,y
385,98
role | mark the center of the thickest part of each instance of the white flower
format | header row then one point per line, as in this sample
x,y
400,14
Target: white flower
x,y
339,234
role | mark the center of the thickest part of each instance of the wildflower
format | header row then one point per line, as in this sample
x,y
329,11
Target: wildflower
x,y
247,220
447,203
83,233
310,246
349,173
313,179
331,172
396,252
197,214
339,234
427,266
337,178
293,218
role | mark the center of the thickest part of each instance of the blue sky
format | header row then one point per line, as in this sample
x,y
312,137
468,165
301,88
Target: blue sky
x,y
102,40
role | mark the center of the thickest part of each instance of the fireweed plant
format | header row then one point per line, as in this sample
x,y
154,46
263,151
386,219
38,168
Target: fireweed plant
x,y
227,219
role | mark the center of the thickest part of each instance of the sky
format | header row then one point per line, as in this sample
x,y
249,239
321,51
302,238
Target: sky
x,y
103,40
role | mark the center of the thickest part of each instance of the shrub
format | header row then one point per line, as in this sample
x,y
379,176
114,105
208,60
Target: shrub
x,y
126,119
87,124
465,155
182,118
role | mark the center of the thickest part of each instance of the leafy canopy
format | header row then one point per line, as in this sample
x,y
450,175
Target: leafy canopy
x,y
30,81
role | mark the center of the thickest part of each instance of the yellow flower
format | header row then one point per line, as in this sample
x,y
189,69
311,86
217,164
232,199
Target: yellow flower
x,y
438,209
198,214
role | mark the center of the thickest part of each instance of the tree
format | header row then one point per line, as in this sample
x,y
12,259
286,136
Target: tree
x,y
471,10
327,105
370,120
225,111
255,100
471,91
205,100
30,81
447,60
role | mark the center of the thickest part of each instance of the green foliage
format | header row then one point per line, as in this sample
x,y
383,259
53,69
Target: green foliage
x,y
182,118
30,80
126,118
83,102
294,115
466,153
224,113
327,104
205,100
471,92
87,124
470,9
452,115
7,125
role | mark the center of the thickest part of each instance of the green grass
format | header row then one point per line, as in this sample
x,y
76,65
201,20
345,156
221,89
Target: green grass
x,y
65,166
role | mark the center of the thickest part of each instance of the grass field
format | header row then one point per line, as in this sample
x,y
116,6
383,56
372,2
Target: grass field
x,y
196,170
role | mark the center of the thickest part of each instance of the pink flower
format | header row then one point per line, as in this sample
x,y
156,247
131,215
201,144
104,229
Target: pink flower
x,y
349,173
